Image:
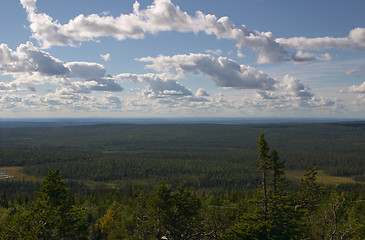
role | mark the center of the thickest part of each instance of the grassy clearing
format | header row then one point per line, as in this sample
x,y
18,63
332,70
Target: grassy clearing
x,y
321,177
290,174
11,172
17,174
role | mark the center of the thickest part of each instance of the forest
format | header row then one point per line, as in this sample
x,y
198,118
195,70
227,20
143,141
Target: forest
x,y
183,181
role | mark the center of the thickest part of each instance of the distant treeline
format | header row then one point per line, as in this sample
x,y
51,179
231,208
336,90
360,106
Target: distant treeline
x,y
202,156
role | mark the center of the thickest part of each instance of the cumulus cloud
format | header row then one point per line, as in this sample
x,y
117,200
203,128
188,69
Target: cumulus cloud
x,y
160,88
223,71
295,87
356,89
8,87
110,99
163,15
303,56
62,100
27,58
201,93
30,66
286,94
94,72
160,85
282,102
290,95
86,70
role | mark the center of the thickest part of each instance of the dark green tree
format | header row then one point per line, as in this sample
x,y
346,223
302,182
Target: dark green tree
x,y
310,193
264,166
178,214
278,172
53,215
270,214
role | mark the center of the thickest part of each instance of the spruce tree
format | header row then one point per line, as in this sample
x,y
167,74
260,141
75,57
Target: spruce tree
x,y
53,215
264,166
271,214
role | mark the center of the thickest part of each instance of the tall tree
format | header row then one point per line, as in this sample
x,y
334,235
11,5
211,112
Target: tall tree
x,y
264,166
53,215
271,216
278,171
310,192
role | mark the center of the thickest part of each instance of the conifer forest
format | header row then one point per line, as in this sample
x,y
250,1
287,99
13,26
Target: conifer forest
x,y
183,181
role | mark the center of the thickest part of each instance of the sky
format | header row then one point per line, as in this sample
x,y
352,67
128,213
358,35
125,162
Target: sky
x,y
182,58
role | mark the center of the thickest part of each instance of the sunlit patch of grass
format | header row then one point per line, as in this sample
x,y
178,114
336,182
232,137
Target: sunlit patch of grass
x,y
16,174
321,177
9,172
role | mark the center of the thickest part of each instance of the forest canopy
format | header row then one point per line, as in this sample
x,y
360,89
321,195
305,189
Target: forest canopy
x,y
273,210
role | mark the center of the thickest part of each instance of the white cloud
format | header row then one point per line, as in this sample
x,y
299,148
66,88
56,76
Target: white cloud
x,y
356,89
201,93
94,72
113,100
160,88
354,41
27,58
281,102
214,52
8,87
288,94
86,70
79,87
147,77
30,66
163,15
291,95
303,56
357,35
160,85
223,71
29,5
295,87
106,56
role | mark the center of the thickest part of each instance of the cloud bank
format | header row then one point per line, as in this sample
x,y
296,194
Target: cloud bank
x,y
223,71
31,66
163,15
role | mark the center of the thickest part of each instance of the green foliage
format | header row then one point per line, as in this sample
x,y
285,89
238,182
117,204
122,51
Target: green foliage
x,y
178,213
202,156
310,193
53,215
271,214
105,164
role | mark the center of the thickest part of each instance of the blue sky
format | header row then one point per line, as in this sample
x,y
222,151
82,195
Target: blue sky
x,y
183,58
